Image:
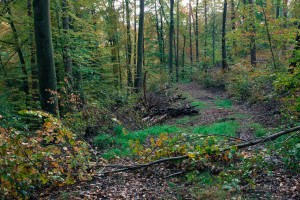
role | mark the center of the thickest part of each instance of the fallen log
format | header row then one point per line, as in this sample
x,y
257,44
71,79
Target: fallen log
x,y
123,168
175,112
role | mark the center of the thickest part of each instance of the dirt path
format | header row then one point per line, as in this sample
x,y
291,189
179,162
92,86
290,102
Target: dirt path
x,y
246,115
150,184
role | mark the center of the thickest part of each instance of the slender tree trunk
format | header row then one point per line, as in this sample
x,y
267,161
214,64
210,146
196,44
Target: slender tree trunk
x,y
253,33
34,71
134,38
205,35
44,50
18,49
190,32
139,67
68,63
183,55
177,39
269,35
214,34
129,46
224,56
233,20
277,8
171,32
197,32
162,36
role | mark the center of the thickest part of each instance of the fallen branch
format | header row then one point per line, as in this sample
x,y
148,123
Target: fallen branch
x,y
267,138
239,146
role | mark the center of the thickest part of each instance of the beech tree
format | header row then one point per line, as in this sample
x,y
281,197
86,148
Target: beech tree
x,y
139,66
44,52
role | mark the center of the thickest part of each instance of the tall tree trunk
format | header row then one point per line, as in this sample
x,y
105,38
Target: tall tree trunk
x,y
277,8
171,32
190,32
183,56
177,43
139,66
134,38
45,61
214,34
162,35
224,57
233,20
18,49
68,63
253,33
34,71
129,46
205,35
197,32
159,36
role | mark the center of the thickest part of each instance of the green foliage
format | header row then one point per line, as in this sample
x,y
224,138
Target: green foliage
x,y
186,119
224,103
288,86
259,130
119,143
53,156
227,128
213,78
199,104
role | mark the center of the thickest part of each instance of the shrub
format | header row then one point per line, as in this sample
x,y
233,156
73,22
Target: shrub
x,y
52,157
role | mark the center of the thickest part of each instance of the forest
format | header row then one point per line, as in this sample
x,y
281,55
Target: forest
x,y
155,99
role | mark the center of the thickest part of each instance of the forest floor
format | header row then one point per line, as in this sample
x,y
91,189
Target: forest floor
x,y
215,110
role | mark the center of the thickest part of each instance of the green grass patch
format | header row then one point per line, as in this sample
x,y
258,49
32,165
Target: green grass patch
x,y
259,130
225,128
224,103
186,119
118,144
199,104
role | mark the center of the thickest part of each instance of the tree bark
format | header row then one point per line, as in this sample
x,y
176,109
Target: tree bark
x,y
190,32
139,66
45,61
171,32
129,46
34,70
205,35
224,56
197,32
177,39
253,34
68,63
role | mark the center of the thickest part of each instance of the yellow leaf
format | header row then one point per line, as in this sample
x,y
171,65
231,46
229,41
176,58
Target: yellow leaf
x,y
191,155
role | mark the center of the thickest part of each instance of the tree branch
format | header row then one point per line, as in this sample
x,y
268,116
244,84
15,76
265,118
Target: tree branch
x,y
123,168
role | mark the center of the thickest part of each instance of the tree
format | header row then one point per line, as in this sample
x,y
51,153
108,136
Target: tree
x,y
45,61
253,33
68,63
139,66
128,45
197,32
171,32
224,59
18,48
177,42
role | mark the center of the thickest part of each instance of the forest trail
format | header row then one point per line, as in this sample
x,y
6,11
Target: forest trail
x,y
215,106
217,113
